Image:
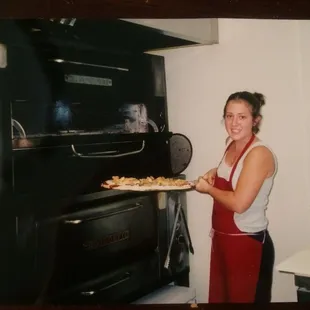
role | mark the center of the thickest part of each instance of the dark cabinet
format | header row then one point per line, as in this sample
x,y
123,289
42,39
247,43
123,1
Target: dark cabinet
x,y
303,288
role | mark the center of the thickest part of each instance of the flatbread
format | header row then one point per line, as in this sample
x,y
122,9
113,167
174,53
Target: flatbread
x,y
147,184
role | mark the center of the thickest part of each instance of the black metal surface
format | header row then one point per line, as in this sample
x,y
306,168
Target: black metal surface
x,y
52,109
181,153
188,236
302,282
67,175
114,247
94,241
5,139
179,269
69,240
100,34
303,295
47,160
122,285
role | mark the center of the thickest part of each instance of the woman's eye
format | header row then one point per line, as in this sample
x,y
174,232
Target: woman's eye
x,y
242,117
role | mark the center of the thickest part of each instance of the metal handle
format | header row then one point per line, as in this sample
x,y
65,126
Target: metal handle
x,y
78,221
103,154
190,244
167,261
17,125
126,277
153,124
73,221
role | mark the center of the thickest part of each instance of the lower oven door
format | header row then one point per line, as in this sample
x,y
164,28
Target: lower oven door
x,y
119,285
81,246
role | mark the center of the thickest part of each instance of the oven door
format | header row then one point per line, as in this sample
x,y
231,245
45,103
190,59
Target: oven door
x,y
81,167
81,246
122,285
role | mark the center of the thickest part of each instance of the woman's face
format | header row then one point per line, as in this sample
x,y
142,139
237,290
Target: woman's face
x,y
238,120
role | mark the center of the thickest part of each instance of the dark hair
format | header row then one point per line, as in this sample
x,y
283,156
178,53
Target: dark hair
x,y
255,100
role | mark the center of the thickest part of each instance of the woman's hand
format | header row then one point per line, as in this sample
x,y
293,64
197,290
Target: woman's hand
x,y
203,186
210,176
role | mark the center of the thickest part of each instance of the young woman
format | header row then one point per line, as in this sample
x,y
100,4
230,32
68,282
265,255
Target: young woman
x,y
242,253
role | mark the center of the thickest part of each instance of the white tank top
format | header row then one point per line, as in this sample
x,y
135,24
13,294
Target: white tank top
x,y
254,218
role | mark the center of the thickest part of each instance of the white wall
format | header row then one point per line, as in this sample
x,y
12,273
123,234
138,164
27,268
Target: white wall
x,y
272,57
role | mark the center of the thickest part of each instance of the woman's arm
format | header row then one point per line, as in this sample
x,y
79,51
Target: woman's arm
x,y
258,164
210,176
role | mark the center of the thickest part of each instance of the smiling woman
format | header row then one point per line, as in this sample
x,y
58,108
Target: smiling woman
x,y
242,255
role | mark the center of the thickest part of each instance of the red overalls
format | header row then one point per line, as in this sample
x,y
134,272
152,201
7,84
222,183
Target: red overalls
x,y
235,256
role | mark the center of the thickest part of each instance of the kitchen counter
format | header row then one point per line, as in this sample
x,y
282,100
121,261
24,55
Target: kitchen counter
x,y
298,264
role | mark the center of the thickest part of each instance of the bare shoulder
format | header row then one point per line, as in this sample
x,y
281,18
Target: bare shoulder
x,y
261,156
260,151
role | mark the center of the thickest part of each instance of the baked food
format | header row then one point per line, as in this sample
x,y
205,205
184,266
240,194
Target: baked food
x,y
146,184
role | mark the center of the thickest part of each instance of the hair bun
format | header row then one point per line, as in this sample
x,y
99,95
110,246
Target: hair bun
x,y
260,97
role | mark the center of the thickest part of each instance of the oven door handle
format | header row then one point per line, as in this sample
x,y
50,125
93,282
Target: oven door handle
x,y
124,278
105,154
100,216
17,125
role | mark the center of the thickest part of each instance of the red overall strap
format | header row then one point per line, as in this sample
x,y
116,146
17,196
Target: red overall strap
x,y
241,154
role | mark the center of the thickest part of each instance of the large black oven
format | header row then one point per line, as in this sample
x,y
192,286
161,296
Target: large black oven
x,y
110,249
73,115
